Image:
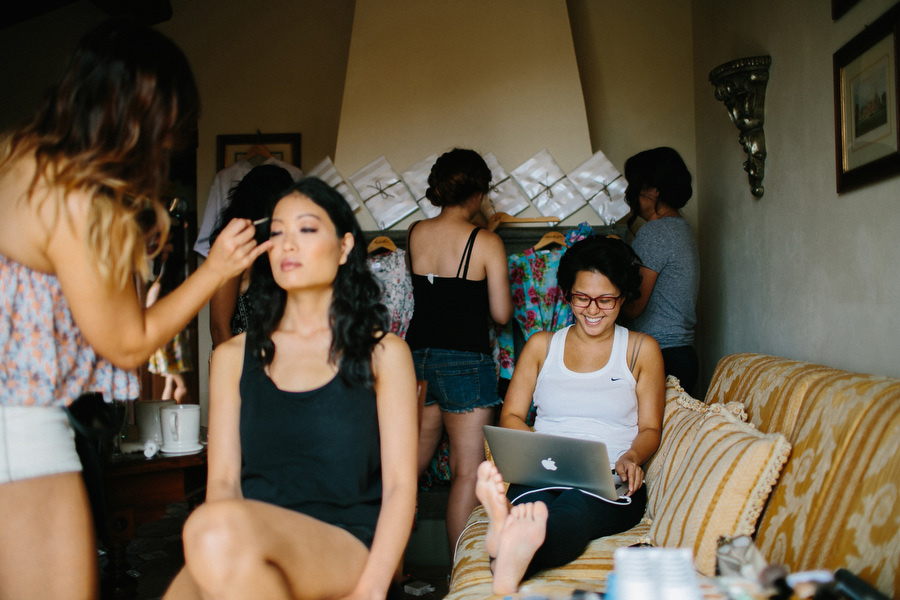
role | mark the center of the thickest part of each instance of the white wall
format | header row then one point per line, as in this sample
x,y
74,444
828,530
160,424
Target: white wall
x,y
271,65
636,66
425,76
803,273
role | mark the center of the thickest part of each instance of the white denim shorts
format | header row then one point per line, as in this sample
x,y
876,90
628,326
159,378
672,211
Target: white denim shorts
x,y
35,442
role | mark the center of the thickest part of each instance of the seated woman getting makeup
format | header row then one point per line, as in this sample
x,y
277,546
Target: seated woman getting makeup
x,y
593,380
312,427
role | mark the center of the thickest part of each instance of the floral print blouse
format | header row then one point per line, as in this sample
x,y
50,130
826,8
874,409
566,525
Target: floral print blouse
x,y
396,284
46,360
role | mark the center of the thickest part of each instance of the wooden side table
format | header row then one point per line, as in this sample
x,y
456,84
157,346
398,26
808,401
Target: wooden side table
x,y
138,490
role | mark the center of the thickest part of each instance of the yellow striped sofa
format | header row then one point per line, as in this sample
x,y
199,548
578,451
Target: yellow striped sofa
x,y
831,440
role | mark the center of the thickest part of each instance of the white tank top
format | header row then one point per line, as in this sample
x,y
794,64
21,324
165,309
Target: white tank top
x,y
601,405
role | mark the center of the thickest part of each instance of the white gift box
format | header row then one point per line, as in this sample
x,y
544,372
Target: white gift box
x,y
505,196
327,172
547,186
603,186
416,178
383,192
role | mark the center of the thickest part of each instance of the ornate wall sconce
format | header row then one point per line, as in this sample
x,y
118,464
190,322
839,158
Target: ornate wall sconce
x,y
741,85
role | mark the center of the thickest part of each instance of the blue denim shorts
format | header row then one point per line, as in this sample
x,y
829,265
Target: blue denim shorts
x,y
458,382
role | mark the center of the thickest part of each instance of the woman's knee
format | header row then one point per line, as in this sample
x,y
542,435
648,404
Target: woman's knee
x,y
217,536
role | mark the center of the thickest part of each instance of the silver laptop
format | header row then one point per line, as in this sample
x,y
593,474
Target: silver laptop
x,y
541,460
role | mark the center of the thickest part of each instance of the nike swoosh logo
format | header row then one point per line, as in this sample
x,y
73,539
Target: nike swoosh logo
x,y
616,378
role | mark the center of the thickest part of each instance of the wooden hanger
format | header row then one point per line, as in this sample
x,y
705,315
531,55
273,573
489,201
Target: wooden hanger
x,y
258,150
501,218
382,242
550,238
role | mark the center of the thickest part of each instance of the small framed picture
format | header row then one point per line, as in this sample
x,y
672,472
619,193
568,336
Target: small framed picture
x,y
867,142
231,148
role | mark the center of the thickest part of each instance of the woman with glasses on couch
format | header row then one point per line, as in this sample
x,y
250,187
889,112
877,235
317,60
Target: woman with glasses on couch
x,y
593,380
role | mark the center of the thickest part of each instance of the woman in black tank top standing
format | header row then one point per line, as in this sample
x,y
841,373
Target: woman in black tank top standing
x,y
460,283
312,429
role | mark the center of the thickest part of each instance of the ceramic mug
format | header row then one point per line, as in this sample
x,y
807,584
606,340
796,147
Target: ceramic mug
x,y
147,418
180,428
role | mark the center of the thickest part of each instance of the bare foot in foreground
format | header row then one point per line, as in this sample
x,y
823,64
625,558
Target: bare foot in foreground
x,y
523,533
489,491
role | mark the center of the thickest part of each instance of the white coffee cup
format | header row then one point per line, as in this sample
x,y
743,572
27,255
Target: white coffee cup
x,y
147,417
180,428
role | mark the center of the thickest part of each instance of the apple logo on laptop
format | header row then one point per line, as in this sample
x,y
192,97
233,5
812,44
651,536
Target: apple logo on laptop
x,y
549,464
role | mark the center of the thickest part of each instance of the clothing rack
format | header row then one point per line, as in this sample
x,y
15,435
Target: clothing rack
x,y
515,239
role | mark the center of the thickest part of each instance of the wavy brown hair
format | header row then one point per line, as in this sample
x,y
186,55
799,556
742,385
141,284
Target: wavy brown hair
x,y
126,100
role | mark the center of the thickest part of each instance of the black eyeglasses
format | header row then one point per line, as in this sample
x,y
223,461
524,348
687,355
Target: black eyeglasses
x,y
603,302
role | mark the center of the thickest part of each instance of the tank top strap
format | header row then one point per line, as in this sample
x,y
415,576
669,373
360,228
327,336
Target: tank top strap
x,y
408,238
467,255
620,346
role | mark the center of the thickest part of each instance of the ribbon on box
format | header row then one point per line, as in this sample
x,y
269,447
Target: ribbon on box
x,y
604,187
547,188
381,191
602,184
506,196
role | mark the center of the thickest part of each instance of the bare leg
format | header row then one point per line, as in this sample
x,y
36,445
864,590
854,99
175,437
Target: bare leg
x,y
489,490
522,535
180,394
168,391
466,453
247,549
48,523
429,435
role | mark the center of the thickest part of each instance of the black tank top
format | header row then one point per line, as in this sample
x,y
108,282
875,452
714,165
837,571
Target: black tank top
x,y
314,452
451,313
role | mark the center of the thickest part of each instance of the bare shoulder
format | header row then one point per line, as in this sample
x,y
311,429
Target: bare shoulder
x,y
536,349
230,353
490,239
390,348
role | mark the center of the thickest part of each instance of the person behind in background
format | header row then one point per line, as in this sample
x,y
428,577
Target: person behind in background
x,y
79,190
251,198
312,429
659,184
174,359
592,380
460,283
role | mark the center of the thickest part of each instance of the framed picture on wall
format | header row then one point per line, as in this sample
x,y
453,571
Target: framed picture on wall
x,y
867,142
231,148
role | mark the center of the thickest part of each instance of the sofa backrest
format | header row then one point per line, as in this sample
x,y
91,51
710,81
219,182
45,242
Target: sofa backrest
x,y
837,503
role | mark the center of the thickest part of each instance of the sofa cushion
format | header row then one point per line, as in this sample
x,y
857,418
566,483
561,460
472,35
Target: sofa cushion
x,y
838,501
719,488
772,389
682,419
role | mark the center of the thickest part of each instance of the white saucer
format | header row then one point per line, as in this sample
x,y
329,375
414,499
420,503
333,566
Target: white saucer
x,y
188,450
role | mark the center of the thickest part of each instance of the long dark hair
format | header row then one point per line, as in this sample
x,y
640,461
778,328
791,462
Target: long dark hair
x,y
357,314
126,99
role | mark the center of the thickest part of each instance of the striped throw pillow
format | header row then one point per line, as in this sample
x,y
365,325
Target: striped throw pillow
x,y
719,488
682,419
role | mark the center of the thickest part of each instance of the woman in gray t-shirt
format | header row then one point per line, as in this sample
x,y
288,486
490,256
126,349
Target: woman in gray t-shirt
x,y
659,184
